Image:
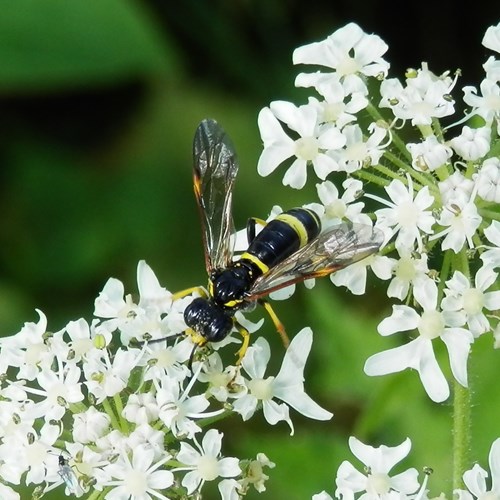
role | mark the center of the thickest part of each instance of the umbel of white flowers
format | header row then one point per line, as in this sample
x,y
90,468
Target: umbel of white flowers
x,y
438,193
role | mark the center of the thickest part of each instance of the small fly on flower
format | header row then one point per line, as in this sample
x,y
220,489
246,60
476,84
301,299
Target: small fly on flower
x,y
68,475
289,249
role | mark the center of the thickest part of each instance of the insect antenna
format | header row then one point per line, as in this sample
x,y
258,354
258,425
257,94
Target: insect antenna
x,y
141,343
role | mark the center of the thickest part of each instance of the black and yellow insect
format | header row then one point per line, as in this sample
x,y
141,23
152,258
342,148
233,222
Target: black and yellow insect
x,y
289,249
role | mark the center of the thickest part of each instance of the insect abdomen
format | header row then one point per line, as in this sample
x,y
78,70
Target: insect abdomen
x,y
282,237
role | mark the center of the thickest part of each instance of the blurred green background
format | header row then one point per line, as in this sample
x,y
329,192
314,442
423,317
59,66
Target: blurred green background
x,y
99,100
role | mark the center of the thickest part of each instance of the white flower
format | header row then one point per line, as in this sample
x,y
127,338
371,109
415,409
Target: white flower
x,y
310,147
254,473
473,301
491,39
27,349
145,435
461,223
113,306
84,463
26,453
161,359
408,271
488,180
288,385
135,321
426,96
339,106
475,478
354,276
139,478
178,410
204,462
491,257
57,389
359,151
496,337
376,481
492,69
419,353
219,379
89,425
81,339
322,496
456,189
429,154
229,489
105,378
152,295
487,104
473,143
141,408
342,207
111,443
349,52
7,493
406,215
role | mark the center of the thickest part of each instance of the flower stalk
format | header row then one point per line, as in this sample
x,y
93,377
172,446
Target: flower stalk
x,y
461,434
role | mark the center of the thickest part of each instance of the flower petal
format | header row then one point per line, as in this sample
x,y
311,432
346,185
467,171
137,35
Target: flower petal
x,y
403,318
458,342
475,480
296,175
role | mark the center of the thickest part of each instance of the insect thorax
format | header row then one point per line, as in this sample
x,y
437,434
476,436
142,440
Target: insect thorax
x,y
229,286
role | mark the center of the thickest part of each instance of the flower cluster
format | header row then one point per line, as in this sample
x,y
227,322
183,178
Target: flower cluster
x,y
87,408
376,483
433,190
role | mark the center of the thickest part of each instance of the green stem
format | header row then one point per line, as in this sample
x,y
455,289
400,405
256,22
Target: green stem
x,y
389,172
422,178
461,433
396,140
367,176
438,130
119,409
94,495
77,407
491,214
112,415
445,272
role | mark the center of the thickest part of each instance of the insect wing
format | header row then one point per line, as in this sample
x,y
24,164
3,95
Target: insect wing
x,y
334,249
68,476
214,171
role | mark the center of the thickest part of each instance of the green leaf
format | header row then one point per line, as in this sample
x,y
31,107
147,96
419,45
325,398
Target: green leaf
x,y
56,43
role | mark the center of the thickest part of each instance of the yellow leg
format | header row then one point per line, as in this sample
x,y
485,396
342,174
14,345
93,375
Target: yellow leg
x,y
277,323
197,339
244,346
251,227
189,291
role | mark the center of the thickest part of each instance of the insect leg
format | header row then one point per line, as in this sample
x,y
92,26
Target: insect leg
x,y
252,222
277,323
189,291
175,296
244,346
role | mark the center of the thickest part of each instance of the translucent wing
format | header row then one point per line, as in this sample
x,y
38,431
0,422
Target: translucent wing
x,y
214,171
68,476
334,249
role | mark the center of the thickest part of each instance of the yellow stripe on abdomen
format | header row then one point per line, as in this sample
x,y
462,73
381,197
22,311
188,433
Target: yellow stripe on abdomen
x,y
255,260
296,225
